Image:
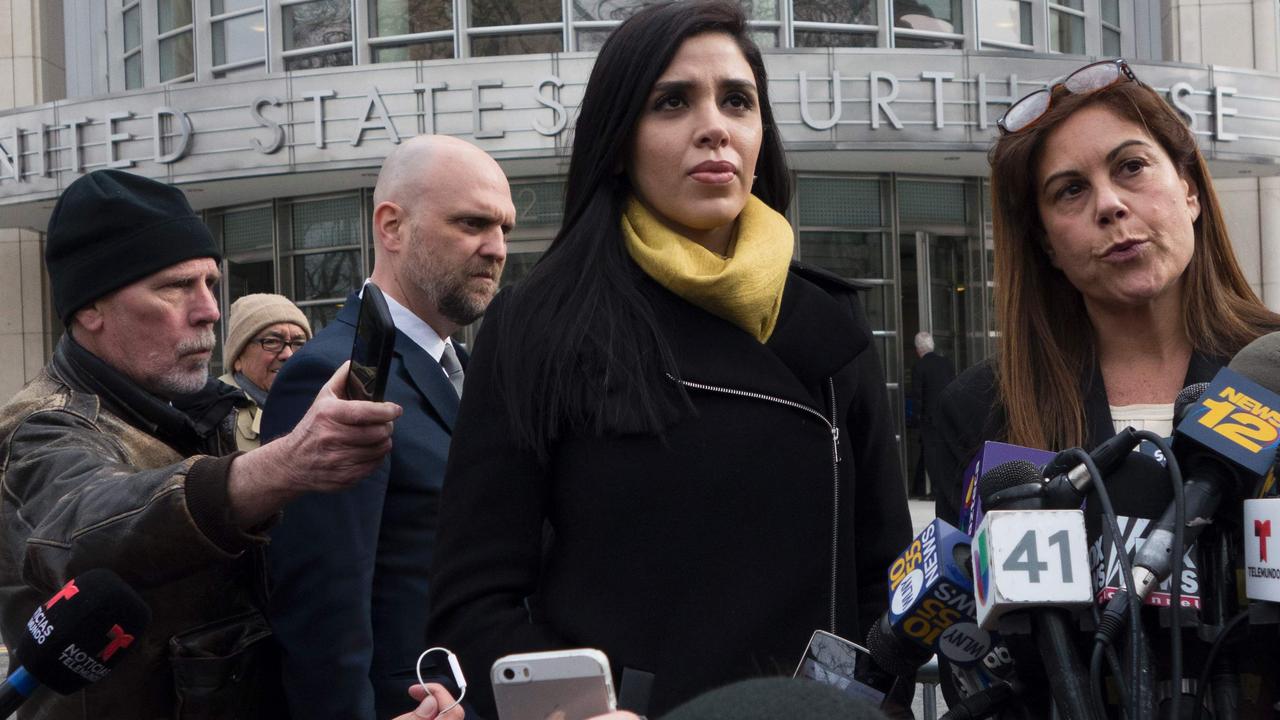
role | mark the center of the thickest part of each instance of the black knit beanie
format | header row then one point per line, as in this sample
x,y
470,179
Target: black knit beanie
x,y
111,228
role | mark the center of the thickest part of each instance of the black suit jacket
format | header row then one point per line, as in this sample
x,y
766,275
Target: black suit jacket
x,y
929,377
348,570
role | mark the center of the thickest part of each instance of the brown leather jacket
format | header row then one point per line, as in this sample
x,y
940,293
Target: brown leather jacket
x,y
95,472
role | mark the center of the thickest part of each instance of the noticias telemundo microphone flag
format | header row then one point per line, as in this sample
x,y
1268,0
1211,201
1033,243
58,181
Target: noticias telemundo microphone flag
x,y
1262,549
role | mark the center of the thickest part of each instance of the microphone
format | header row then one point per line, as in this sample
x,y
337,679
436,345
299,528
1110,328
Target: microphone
x,y
1262,549
75,638
1033,561
1227,435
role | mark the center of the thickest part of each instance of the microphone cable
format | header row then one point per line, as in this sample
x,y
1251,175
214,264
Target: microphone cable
x,y
1203,684
1175,574
1126,570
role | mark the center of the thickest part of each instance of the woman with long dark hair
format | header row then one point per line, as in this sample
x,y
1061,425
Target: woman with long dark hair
x,y
1116,287
674,445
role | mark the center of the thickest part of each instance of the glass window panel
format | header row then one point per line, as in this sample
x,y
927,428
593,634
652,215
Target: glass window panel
x,y
176,57
879,306
132,27
1110,42
245,278
933,15
326,275
322,22
760,9
334,222
529,43
839,202
320,315
337,58
241,38
486,13
854,12
133,71
1111,12
218,7
847,254
904,41
539,204
606,9
823,38
765,38
517,267
1073,4
1006,21
924,202
404,17
593,39
1066,33
432,50
247,232
173,14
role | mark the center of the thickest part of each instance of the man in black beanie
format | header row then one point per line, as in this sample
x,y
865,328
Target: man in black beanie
x,y
119,455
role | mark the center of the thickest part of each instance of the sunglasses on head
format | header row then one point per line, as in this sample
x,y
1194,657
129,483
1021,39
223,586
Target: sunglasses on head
x,y
1088,79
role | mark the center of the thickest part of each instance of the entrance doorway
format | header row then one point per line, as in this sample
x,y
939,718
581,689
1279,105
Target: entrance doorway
x,y
941,294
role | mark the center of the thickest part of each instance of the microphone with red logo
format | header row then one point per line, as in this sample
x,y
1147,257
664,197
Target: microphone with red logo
x,y
75,638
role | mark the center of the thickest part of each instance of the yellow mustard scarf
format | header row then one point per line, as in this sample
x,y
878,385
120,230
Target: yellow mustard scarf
x,y
745,289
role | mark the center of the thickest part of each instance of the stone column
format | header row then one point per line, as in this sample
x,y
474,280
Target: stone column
x,y
31,72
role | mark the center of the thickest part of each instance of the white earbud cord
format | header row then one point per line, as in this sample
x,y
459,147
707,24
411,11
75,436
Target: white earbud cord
x,y
457,675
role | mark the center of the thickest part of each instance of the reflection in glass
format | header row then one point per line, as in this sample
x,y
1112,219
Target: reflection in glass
x,y
517,266
1110,42
606,9
176,57
765,38
245,278
489,45
132,28
486,13
173,14
337,58
324,223
430,50
320,315
218,7
823,38
1111,12
847,254
326,275
1005,21
853,12
322,22
237,39
593,39
404,17
1066,33
933,15
538,204
133,71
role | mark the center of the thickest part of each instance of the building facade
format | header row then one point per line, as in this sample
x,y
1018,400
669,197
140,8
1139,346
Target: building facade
x,y
274,115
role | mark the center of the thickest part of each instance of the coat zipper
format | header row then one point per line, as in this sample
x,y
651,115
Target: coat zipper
x,y
833,425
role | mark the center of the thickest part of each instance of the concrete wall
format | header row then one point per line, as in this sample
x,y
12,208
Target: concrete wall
x,y
1244,34
31,72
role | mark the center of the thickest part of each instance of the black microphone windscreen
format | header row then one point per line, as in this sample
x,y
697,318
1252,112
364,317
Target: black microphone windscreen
x,y
892,653
1260,361
771,698
1004,476
80,633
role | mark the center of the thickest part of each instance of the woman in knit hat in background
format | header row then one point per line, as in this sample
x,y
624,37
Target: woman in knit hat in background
x,y
263,331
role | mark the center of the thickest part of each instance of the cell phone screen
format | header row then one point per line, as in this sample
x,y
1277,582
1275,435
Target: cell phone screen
x,y
371,348
846,666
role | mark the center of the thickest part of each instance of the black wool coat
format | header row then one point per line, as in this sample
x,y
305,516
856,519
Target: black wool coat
x,y
705,556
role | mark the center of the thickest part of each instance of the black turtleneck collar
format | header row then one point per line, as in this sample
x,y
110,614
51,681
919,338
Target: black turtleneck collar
x,y
188,423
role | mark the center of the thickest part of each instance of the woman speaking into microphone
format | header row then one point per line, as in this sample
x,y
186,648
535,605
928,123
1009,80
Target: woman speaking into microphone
x,y
1116,284
674,445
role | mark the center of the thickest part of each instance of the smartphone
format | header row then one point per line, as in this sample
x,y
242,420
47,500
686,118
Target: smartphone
x,y
371,349
846,666
560,685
